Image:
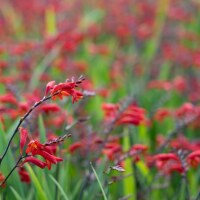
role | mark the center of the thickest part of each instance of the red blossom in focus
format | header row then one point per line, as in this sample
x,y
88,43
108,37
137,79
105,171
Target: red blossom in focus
x,y
35,161
64,89
36,148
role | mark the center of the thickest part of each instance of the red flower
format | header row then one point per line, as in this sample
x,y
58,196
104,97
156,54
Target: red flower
x,y
139,147
194,158
162,113
2,178
159,84
74,147
168,163
64,89
112,150
23,136
166,156
132,115
24,176
49,158
36,148
49,87
50,108
8,98
35,161
110,110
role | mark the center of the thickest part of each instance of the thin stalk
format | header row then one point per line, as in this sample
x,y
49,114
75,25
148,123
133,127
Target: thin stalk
x,y
22,119
16,165
57,179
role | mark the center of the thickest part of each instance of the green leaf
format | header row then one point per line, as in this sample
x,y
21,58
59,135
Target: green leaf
x,y
39,189
9,162
42,129
99,182
59,187
129,184
16,194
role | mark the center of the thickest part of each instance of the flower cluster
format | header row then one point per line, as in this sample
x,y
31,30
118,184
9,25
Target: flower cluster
x,y
133,114
65,89
35,148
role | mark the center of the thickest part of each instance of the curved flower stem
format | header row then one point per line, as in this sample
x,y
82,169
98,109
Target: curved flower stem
x,y
16,165
45,98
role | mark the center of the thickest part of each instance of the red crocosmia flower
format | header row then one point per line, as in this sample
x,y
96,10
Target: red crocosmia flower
x,y
23,137
36,148
179,84
24,176
182,142
112,150
194,158
49,158
8,98
187,109
136,150
161,114
165,85
2,177
110,110
49,87
132,115
74,147
174,167
35,161
64,89
23,107
139,147
166,156
50,108
168,163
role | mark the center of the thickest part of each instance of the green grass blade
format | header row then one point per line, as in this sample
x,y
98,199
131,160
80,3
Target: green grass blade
x,y
128,183
9,161
99,182
36,182
16,194
59,187
42,129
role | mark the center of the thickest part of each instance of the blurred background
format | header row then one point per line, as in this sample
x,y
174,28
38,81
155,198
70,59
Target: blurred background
x,y
141,51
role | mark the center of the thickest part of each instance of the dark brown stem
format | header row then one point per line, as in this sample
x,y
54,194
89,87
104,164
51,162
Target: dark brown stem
x,y
22,120
16,165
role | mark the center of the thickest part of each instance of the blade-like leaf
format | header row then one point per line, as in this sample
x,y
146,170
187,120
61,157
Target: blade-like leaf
x,y
99,182
59,187
39,189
